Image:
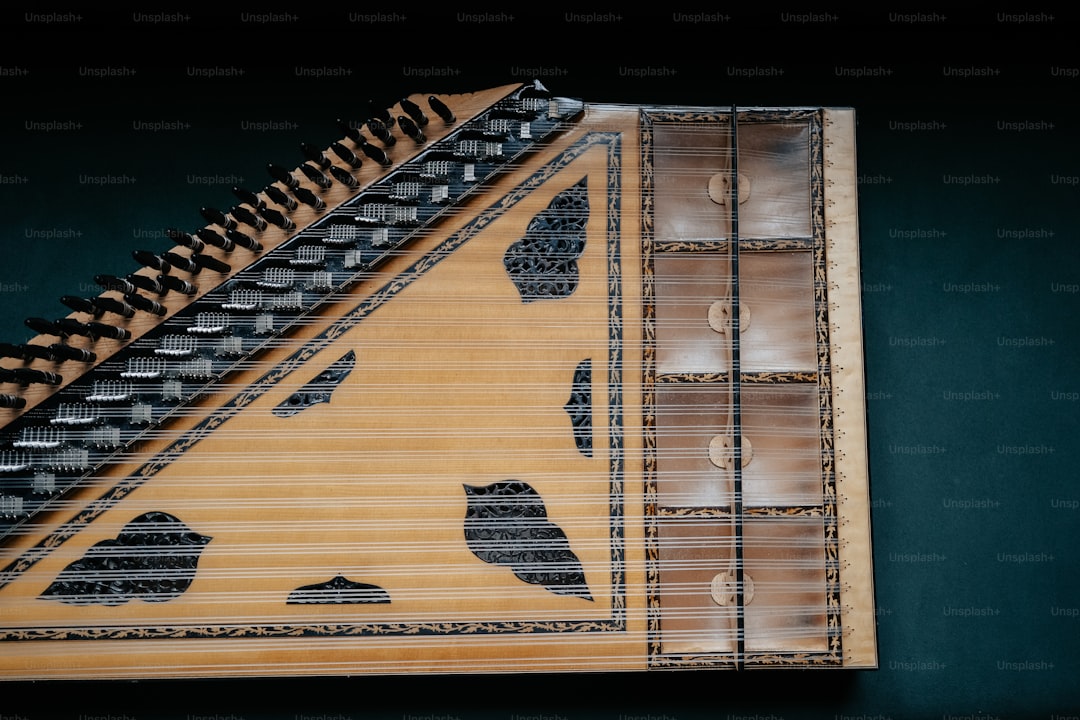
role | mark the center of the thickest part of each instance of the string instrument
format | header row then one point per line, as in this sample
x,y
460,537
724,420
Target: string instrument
x,y
495,382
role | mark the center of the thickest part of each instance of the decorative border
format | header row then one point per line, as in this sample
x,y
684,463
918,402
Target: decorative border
x,y
327,337
821,378
724,513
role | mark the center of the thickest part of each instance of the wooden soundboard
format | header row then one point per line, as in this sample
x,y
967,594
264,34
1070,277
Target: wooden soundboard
x,y
527,384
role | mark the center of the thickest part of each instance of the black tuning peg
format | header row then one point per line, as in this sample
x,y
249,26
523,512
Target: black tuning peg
x,y
412,130
247,217
13,351
101,330
347,156
245,195
212,237
376,153
145,304
27,376
152,261
12,402
41,377
181,263
66,352
184,239
108,304
344,177
274,217
413,111
315,155
381,132
44,327
79,304
440,108
350,132
274,193
111,282
174,283
71,327
147,283
309,198
381,112
244,241
31,351
9,350
215,216
211,263
282,175
316,176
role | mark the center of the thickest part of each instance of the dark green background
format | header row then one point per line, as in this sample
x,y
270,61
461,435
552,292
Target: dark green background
x,y
969,190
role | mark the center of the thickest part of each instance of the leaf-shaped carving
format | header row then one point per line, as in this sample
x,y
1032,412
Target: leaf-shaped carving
x,y
506,523
543,264
320,388
338,591
153,558
579,407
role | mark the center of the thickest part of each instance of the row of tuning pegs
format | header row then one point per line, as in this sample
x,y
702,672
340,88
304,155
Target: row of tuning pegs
x,y
131,301
253,212
322,171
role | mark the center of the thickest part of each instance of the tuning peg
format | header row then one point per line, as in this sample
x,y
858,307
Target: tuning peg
x,y
31,351
145,304
412,130
101,330
247,217
316,176
413,111
347,156
111,282
382,113
376,153
27,376
13,351
174,283
274,217
66,352
309,198
275,194
315,155
184,239
282,175
79,304
350,132
150,260
12,402
44,327
71,327
244,241
212,237
108,304
344,177
41,377
245,195
181,263
440,108
211,263
146,283
381,133
215,216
